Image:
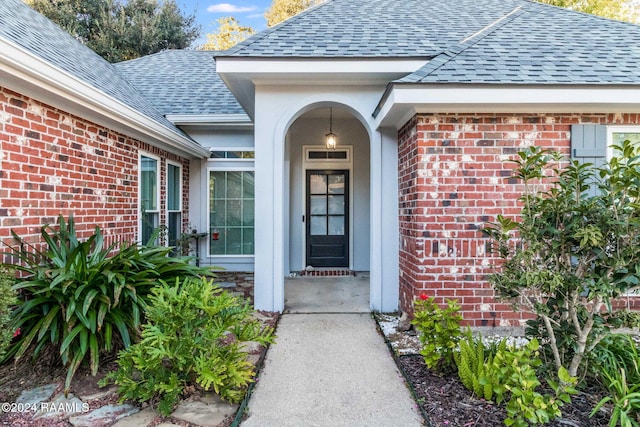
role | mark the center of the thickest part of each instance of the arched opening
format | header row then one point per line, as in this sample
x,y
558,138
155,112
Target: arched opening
x,y
329,209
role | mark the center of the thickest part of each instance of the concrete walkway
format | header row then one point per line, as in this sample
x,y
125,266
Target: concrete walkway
x,y
330,370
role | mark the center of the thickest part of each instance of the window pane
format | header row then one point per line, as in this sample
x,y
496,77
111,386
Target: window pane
x,y
336,225
149,183
337,155
319,225
234,212
336,184
247,241
234,240
619,137
248,213
318,184
234,185
174,225
149,224
173,187
248,183
218,183
318,205
336,205
217,247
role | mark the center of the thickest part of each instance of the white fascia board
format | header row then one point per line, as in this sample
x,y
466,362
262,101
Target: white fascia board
x,y
211,120
242,74
367,70
402,101
33,76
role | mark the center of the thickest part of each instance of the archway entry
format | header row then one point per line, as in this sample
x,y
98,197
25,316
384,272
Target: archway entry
x,y
329,209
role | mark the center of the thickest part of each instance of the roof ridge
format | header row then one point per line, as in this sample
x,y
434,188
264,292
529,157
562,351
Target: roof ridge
x,y
263,33
447,55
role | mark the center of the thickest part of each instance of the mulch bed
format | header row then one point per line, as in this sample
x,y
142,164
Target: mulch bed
x,y
446,402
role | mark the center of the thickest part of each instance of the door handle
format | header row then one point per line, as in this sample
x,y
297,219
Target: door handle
x,y
302,218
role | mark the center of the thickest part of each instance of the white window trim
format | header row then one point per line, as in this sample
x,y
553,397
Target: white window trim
x,y
166,179
610,131
221,168
142,154
618,129
309,148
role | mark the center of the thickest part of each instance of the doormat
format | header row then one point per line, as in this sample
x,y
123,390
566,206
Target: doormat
x,y
333,272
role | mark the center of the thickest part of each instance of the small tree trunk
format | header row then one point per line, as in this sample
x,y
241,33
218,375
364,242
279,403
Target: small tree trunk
x,y
552,341
583,336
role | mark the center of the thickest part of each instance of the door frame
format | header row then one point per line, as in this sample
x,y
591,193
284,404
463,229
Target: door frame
x,y
326,164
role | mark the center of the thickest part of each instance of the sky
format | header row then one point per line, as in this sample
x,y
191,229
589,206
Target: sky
x,y
247,12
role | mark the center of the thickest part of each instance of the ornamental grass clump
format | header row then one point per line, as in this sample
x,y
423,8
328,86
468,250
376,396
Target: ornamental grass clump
x,y
80,297
194,336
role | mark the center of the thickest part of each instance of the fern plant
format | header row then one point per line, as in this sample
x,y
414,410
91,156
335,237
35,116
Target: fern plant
x,y
194,336
475,361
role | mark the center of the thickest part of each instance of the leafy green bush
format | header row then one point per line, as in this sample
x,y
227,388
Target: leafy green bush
x,y
194,335
439,332
76,295
514,370
7,301
571,253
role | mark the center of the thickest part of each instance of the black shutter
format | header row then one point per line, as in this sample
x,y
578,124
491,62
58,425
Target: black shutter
x,y
589,145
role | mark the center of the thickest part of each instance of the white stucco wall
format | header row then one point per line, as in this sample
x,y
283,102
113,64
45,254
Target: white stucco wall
x,y
311,131
223,139
276,109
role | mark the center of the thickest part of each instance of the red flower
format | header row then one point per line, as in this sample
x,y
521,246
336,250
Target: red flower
x,y
16,333
424,297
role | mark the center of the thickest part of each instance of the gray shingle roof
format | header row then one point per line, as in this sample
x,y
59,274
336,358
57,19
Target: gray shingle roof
x,y
470,41
33,32
375,28
181,82
542,45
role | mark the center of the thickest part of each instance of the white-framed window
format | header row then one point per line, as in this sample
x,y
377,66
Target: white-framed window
x,y
616,135
231,212
149,196
174,205
319,154
232,154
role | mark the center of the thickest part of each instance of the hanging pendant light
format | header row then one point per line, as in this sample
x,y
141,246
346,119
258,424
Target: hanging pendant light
x,y
331,139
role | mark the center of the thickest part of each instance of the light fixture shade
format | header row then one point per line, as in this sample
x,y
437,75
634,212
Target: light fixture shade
x,y
331,139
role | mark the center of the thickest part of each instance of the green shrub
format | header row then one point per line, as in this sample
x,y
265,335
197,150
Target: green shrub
x,y
194,335
439,332
77,295
7,302
569,253
514,380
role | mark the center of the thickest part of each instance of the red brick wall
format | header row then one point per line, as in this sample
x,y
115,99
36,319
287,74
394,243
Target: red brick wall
x,y
53,163
453,179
